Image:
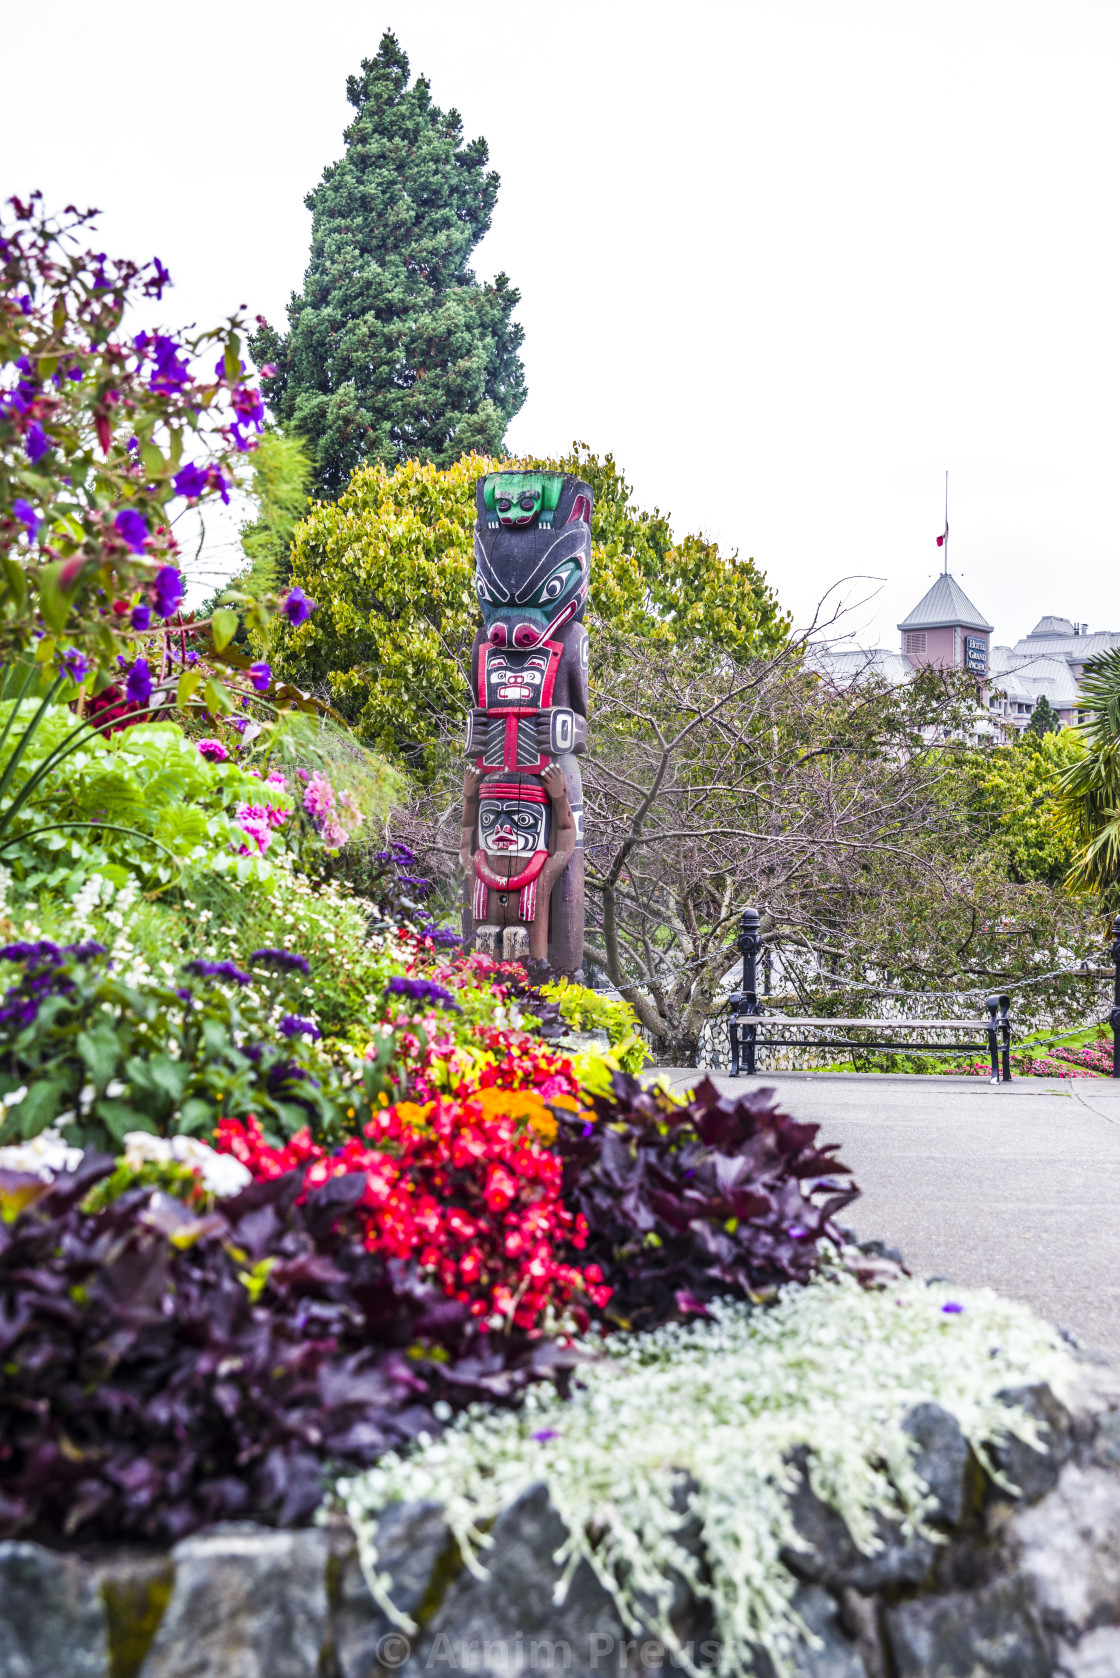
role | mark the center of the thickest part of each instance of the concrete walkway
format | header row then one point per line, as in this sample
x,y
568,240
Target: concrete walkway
x,y
1015,1187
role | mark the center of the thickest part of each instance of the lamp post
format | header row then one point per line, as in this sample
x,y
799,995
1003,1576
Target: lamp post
x,y
745,1005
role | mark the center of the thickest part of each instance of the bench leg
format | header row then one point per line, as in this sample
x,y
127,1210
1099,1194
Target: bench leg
x,y
733,1032
749,1033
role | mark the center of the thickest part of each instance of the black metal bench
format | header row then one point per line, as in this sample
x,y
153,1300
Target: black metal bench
x,y
747,1016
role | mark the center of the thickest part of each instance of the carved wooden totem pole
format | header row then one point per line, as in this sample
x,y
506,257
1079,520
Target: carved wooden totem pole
x,y
522,838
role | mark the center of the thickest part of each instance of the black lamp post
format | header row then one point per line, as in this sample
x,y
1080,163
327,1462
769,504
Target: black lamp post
x,y
745,1005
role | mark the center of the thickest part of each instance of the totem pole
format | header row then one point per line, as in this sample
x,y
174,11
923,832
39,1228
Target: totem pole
x,y
522,836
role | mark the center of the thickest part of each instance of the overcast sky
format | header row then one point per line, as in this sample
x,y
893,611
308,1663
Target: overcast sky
x,y
788,261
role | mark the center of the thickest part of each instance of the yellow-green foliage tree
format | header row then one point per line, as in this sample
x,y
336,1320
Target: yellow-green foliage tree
x,y
390,565
1014,796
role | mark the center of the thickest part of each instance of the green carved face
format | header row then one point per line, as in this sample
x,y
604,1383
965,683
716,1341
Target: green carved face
x,y
515,499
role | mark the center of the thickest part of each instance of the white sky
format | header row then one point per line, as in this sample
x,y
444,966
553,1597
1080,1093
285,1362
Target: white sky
x,y
787,259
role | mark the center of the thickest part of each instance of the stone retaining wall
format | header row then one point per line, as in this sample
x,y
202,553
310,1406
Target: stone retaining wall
x,y
1022,1588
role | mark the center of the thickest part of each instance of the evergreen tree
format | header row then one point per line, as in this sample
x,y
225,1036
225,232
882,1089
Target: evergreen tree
x,y
1044,719
394,350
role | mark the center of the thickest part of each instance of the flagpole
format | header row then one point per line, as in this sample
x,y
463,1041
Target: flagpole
x,y
945,544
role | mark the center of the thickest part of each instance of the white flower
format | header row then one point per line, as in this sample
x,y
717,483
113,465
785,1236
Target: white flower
x,y
221,1174
14,1097
115,1088
44,1156
85,1096
719,1407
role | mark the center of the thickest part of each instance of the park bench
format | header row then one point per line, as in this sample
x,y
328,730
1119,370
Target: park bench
x,y
747,1019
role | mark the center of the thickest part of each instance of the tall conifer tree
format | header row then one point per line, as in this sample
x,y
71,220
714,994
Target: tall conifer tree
x,y
394,350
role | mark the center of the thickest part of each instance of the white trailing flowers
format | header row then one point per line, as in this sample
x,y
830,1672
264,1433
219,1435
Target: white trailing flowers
x,y
701,1420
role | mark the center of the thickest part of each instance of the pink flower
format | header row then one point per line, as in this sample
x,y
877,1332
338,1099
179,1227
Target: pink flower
x,y
333,834
276,816
318,800
213,750
275,778
253,821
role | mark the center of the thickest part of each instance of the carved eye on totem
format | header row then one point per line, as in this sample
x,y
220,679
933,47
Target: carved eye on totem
x,y
504,503
527,503
483,591
556,585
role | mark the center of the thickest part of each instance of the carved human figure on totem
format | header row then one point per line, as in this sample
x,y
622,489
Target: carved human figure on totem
x,y
518,837
529,720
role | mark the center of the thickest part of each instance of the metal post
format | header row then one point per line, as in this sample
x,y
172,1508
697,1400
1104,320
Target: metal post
x,y
1114,1016
1005,1032
745,1002
992,1004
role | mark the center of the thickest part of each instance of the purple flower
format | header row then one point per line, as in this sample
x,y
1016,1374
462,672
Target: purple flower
x,y
295,1025
423,990
75,664
286,961
153,287
544,1434
951,1308
36,442
589,1129
248,405
297,608
25,303
796,1233
190,481
213,750
217,970
141,617
169,374
42,951
84,952
138,688
27,514
169,590
131,528
260,674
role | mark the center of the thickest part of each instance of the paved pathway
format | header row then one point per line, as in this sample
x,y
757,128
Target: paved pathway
x,y
1015,1187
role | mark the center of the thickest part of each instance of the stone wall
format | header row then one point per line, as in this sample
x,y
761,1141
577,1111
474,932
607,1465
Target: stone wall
x,y
1025,1587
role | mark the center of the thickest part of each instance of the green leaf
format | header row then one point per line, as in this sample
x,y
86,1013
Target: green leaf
x,y
217,696
119,1118
223,626
195,1115
233,358
188,682
16,579
54,602
154,463
100,1052
41,1105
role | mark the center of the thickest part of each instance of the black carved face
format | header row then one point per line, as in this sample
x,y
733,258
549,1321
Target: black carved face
x,y
509,826
515,678
532,580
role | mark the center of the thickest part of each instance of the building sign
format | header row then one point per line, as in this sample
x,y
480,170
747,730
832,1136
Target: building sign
x,y
976,654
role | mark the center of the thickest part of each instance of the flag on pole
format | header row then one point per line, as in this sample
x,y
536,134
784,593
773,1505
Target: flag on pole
x,y
941,539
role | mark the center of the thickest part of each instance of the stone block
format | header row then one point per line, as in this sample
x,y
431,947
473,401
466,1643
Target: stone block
x,y
1096,1656
1033,1472
941,1458
969,1635
417,1551
508,1623
248,1602
833,1559
1068,1549
52,1618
